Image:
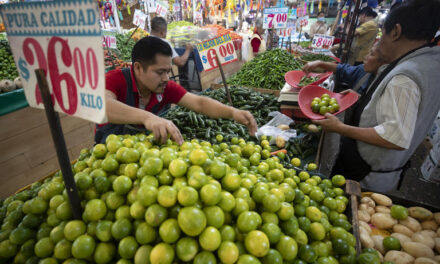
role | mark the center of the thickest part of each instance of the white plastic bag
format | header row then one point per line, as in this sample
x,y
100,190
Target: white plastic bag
x,y
246,49
271,130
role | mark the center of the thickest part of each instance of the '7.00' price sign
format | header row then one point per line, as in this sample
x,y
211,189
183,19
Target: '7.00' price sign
x,y
275,17
63,38
222,47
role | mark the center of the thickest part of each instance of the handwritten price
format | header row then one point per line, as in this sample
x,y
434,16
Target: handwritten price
x,y
279,18
86,67
322,41
224,50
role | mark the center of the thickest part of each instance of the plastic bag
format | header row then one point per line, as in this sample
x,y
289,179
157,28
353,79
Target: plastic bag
x,y
271,130
246,50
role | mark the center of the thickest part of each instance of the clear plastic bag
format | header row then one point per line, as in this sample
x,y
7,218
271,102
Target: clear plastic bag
x,y
246,50
271,130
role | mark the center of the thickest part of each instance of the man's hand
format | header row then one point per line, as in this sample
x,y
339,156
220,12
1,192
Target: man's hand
x,y
161,128
330,124
189,46
310,66
245,118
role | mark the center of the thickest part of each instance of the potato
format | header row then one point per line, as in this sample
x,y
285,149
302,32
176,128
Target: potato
x,y
429,225
368,201
365,226
280,142
403,230
417,249
363,207
371,211
411,223
420,213
437,218
423,260
378,243
382,199
283,127
399,257
383,221
402,238
380,256
437,258
438,232
383,209
364,216
366,240
437,244
429,233
421,238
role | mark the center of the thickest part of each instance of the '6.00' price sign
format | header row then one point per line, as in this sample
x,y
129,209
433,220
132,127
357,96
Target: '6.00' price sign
x,y
63,38
222,47
275,17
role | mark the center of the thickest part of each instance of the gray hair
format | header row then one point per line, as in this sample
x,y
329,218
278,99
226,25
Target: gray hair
x,y
259,22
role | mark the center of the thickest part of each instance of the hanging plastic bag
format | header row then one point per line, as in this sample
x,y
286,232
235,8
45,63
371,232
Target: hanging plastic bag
x,y
271,128
246,49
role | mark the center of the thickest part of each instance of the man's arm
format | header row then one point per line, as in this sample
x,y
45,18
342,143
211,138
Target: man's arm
x,y
367,135
328,66
120,113
215,109
180,61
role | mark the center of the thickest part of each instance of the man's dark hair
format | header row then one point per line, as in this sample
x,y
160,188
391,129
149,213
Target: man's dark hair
x,y
158,24
368,11
320,12
419,19
145,50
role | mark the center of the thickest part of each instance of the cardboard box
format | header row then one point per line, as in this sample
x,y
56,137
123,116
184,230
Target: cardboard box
x,y
430,168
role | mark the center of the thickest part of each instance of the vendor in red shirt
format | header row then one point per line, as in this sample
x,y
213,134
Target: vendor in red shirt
x,y
136,95
257,42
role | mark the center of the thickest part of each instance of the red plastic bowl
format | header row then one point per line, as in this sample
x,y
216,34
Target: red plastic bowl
x,y
293,78
307,94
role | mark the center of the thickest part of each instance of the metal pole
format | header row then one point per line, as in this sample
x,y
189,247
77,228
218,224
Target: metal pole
x,y
351,32
60,144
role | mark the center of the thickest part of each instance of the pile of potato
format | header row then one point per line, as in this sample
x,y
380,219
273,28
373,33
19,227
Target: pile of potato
x,y
417,230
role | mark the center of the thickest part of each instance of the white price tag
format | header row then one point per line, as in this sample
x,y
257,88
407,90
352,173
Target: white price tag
x,y
176,8
322,41
109,40
161,8
67,47
286,32
222,47
139,18
303,21
275,17
151,6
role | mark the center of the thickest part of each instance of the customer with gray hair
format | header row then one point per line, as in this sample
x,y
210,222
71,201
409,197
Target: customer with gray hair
x,y
257,42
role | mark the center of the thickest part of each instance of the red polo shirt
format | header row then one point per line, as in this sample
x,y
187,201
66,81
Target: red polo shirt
x,y
115,82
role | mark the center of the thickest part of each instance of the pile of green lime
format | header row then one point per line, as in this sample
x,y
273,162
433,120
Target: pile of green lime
x,y
325,104
193,203
8,70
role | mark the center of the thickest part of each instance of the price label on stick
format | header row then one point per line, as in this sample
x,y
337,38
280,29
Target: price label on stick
x,y
222,47
275,17
63,39
322,41
161,8
303,21
139,18
109,39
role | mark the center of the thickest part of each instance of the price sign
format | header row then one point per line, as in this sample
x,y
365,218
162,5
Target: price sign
x,y
303,21
286,32
64,39
322,41
139,18
275,17
109,39
161,8
176,7
198,16
222,47
151,6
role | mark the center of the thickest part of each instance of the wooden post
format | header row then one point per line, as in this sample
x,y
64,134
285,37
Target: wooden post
x,y
60,144
351,31
353,188
224,80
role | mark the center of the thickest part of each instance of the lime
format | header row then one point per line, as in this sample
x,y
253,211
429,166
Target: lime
x,y
210,239
391,243
399,212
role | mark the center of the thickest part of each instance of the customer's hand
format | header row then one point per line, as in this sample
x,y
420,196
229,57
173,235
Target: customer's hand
x,y
189,46
161,128
330,124
310,66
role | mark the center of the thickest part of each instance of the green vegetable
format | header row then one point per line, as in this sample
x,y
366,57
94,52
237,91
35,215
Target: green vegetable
x,y
306,80
314,57
259,104
125,45
8,70
266,70
179,24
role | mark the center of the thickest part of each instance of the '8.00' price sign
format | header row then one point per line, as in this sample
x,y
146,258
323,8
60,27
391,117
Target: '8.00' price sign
x,y
275,17
322,41
64,39
222,47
